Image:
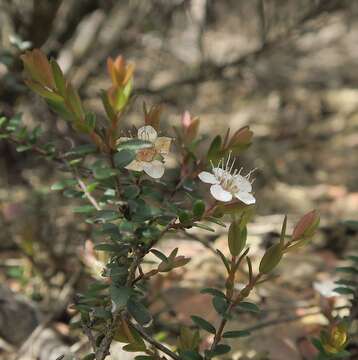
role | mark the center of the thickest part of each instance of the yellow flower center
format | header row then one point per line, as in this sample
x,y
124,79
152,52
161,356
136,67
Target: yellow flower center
x,y
146,154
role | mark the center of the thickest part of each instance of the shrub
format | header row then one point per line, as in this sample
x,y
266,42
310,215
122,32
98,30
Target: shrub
x,y
132,205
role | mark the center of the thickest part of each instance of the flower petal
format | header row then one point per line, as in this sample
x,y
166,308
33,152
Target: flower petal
x,y
147,133
326,288
242,183
245,197
219,193
135,165
154,169
208,178
162,145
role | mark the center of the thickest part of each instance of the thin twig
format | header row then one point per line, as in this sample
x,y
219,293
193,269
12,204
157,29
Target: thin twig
x,y
90,198
155,343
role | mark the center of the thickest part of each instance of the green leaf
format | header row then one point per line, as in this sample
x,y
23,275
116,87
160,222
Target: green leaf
x,y
44,92
347,282
82,150
130,192
248,306
215,221
203,324
107,106
134,145
102,173
219,349
60,185
190,355
224,260
139,312
271,259
184,216
344,290
122,96
60,108
90,121
159,255
58,77
214,292
85,209
235,334
106,215
237,238
215,148
91,187
203,226
318,345
347,269
198,208
119,273
3,120
102,313
123,158
96,287
120,295
108,247
140,211
22,148
220,305
135,347
74,103
71,193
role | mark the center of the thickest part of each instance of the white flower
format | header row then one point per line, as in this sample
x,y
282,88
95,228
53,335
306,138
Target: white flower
x,y
225,184
150,160
326,288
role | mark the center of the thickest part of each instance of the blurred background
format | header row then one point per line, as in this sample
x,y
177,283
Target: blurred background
x,y
288,69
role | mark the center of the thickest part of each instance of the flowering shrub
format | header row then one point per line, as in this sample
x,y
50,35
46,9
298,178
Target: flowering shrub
x,y
132,205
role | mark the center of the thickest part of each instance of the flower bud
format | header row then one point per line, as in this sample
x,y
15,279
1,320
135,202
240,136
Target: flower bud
x,y
237,238
307,226
190,126
336,340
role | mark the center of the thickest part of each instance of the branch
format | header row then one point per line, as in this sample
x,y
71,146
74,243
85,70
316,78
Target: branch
x,y
155,343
